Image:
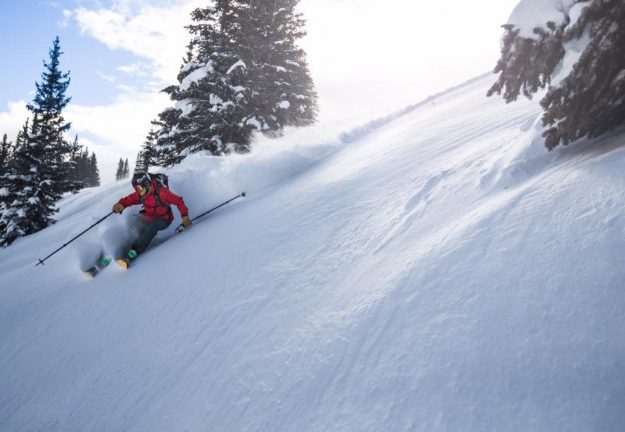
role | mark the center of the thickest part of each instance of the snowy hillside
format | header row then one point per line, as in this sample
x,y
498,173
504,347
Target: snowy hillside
x,y
435,270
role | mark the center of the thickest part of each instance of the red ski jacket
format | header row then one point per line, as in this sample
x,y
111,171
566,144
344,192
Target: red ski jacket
x,y
151,209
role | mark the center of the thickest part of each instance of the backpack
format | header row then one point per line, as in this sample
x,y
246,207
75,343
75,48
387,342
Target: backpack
x,y
161,178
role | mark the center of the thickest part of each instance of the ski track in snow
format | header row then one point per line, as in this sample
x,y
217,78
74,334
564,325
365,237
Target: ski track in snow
x,y
432,270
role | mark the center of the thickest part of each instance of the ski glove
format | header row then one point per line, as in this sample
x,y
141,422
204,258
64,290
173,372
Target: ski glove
x,y
118,208
186,221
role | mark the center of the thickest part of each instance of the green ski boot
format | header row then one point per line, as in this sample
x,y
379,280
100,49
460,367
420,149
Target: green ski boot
x,y
102,262
125,261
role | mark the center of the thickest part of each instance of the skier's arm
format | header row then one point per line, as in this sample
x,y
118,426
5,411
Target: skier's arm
x,y
170,198
130,200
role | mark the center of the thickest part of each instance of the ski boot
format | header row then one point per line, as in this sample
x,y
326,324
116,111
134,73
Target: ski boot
x,y
130,257
100,265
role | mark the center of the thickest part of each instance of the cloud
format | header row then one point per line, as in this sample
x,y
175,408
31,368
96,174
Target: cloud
x,y
116,130
136,70
12,120
111,131
156,34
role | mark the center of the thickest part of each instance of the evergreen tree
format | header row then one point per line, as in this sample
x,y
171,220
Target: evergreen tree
x,y
147,155
590,100
7,183
243,73
5,162
85,167
125,170
22,135
40,171
120,169
526,64
284,93
5,154
30,195
82,166
93,176
211,96
7,194
76,174
48,105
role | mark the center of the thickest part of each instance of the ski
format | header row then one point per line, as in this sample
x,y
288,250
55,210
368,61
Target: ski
x,y
101,263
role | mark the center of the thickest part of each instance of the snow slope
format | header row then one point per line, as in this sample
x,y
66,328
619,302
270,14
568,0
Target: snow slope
x,y
436,270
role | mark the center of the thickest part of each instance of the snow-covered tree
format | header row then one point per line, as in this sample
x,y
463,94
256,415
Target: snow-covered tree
x,y
41,170
578,53
6,195
5,162
527,63
211,99
48,105
283,92
30,195
243,73
5,153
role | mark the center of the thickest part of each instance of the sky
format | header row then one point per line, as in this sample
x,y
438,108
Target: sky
x,y
367,58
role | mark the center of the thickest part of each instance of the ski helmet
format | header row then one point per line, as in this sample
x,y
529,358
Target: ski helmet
x,y
142,179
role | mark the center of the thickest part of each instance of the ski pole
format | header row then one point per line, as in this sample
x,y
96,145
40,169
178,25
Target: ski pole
x,y
42,260
181,226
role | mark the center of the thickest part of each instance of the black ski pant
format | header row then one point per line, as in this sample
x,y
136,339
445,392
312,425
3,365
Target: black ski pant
x,y
146,230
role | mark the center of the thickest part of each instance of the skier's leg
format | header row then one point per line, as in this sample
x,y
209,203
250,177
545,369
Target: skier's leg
x,y
147,231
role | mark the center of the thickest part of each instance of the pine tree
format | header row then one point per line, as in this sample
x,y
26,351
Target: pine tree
x,y
93,175
40,171
7,197
22,135
210,97
8,171
119,174
5,154
526,64
30,199
243,73
284,93
86,168
125,170
7,194
48,105
5,162
76,177
590,100
82,168
147,155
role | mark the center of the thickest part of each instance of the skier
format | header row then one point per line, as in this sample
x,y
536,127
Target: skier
x,y
156,214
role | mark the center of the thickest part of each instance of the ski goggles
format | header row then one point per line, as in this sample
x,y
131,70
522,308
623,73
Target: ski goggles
x,y
141,190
